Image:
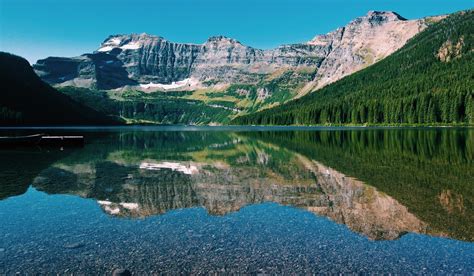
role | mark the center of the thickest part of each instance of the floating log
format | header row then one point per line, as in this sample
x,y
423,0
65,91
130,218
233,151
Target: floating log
x,y
62,141
27,140
41,140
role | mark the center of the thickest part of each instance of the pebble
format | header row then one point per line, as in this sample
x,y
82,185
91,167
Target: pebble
x,y
74,245
121,272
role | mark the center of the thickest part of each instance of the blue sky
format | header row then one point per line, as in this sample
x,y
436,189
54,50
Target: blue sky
x,y
39,28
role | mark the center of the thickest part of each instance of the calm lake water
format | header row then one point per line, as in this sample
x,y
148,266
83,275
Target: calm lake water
x,y
250,200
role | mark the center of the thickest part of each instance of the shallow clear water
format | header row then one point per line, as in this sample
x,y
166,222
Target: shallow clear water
x,y
249,200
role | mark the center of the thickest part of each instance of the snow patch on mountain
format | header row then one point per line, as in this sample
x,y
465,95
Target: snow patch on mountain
x,y
134,45
189,82
105,49
115,41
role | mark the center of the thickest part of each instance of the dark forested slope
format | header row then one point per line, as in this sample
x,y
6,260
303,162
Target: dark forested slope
x,y
26,100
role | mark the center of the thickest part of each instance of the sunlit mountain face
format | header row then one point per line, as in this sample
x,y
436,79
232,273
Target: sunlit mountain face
x,y
356,178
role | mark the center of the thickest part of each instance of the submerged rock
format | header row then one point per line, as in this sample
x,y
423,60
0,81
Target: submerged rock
x,y
73,245
121,272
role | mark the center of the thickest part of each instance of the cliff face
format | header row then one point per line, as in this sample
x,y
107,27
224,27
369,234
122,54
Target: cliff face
x,y
151,60
363,42
99,70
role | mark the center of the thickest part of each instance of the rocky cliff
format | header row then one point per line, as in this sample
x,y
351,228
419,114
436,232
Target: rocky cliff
x,y
363,42
152,62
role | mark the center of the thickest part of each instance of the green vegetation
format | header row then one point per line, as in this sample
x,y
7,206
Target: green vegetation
x,y
140,107
8,115
276,89
430,80
192,107
135,94
210,82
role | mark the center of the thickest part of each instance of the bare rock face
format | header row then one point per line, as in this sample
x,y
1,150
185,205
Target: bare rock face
x,y
363,42
100,70
225,59
151,60
449,50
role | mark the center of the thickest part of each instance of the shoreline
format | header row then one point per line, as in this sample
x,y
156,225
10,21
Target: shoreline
x,y
233,127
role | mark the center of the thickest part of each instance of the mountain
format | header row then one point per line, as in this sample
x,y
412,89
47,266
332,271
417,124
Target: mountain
x,y
149,61
429,80
26,100
220,76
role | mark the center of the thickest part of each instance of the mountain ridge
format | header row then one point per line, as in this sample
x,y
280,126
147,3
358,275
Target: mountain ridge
x,y
142,78
154,59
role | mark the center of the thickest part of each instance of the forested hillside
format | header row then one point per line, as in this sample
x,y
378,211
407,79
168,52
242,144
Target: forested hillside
x,y
202,106
155,108
429,81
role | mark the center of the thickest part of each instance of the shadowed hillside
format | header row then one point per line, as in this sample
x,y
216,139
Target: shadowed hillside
x,y
26,100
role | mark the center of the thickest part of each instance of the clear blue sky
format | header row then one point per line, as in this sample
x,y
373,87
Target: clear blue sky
x,y
39,28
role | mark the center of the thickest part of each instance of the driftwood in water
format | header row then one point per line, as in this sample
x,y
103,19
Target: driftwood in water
x,y
41,140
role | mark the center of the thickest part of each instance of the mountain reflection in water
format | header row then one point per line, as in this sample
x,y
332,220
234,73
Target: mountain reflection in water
x,y
379,183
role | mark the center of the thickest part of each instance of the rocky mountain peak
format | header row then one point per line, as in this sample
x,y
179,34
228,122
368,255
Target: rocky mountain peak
x,y
127,41
373,18
362,42
380,17
222,40
142,36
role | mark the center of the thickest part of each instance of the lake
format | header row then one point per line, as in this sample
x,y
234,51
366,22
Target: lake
x,y
245,200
